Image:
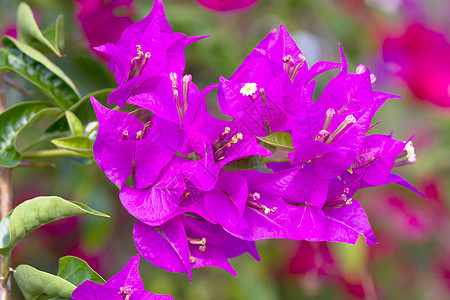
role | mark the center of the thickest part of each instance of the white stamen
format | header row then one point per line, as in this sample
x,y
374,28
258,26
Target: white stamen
x,y
410,155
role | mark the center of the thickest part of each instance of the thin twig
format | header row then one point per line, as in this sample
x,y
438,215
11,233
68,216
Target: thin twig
x,y
5,199
17,87
32,164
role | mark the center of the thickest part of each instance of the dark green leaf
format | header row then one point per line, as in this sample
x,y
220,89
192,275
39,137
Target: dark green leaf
x,y
13,121
281,140
76,128
74,143
83,109
35,284
32,65
76,271
34,213
29,33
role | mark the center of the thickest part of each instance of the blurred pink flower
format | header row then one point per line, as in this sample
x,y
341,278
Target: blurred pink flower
x,y
423,59
226,5
104,21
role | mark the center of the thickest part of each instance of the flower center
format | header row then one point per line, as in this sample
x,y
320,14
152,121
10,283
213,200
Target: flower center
x,y
291,67
252,202
125,292
220,146
324,134
249,89
138,62
338,201
194,241
140,134
187,79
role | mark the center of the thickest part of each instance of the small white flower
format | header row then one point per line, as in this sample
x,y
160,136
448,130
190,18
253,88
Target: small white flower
x,y
410,155
249,89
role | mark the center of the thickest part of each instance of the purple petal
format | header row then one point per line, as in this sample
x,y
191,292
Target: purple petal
x,y
95,291
166,246
226,203
155,203
345,224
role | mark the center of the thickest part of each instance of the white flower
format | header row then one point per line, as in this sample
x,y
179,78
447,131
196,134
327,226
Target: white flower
x,y
248,89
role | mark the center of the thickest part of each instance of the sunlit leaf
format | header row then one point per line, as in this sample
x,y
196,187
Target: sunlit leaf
x,y
76,271
75,143
34,213
35,284
76,128
29,32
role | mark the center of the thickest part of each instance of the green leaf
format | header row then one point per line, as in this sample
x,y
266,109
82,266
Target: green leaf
x,y
76,271
76,128
74,143
55,34
35,67
247,163
35,284
83,110
13,121
34,213
281,140
28,30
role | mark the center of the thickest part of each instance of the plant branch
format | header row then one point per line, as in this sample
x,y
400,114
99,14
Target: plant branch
x,y
5,200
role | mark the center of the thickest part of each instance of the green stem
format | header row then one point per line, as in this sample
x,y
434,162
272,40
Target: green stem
x,y
53,153
5,266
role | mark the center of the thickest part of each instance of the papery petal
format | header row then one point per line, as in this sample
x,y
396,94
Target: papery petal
x,y
95,291
128,276
156,203
226,203
166,246
345,224
307,222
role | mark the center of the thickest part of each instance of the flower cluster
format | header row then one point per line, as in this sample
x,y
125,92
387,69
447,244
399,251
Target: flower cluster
x,y
282,166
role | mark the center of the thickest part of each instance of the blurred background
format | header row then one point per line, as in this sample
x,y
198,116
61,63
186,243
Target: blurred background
x,y
406,45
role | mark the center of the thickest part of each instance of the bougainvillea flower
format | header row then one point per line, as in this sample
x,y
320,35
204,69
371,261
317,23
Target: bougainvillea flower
x,y
346,224
249,204
122,148
111,25
156,203
176,102
127,284
183,243
227,5
423,59
274,68
218,142
376,159
331,140
146,48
